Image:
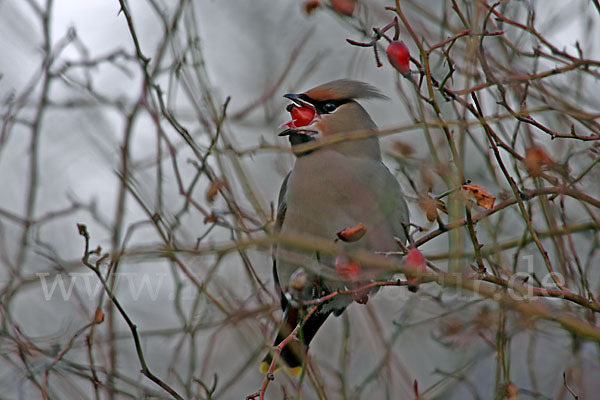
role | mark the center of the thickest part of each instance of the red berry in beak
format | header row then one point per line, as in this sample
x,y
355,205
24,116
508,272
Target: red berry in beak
x,y
399,56
301,116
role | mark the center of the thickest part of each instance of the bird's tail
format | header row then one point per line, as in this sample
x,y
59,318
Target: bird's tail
x,y
294,352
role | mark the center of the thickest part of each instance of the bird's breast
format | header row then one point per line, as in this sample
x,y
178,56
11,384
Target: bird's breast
x,y
329,191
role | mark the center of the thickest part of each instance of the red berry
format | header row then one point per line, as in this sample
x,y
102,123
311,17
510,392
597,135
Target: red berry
x,y
353,233
301,116
415,260
344,7
347,268
399,56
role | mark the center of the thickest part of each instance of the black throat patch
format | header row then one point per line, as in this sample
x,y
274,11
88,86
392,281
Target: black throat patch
x,y
297,138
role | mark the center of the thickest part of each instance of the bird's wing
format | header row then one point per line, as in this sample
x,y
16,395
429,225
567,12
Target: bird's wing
x,y
281,210
293,353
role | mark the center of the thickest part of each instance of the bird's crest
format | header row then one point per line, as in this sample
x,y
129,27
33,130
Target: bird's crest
x,y
342,89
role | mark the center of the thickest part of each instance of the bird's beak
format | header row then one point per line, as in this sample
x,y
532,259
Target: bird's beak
x,y
297,100
287,132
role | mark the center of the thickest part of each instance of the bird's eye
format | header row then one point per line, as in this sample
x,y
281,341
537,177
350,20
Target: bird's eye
x,y
329,107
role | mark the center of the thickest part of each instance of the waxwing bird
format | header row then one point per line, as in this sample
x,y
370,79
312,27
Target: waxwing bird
x,y
342,184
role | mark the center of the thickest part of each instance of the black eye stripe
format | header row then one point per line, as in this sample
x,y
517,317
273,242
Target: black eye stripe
x,y
324,107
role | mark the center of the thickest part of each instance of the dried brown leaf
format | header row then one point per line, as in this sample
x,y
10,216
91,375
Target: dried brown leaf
x,y
536,158
480,194
311,5
214,189
98,316
430,206
403,148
